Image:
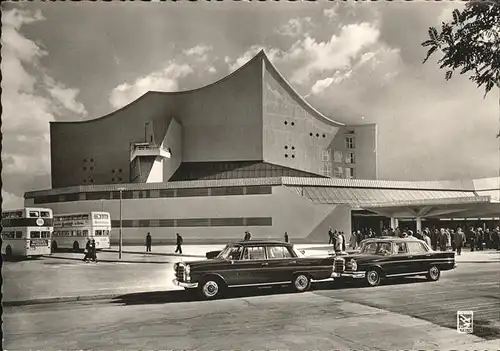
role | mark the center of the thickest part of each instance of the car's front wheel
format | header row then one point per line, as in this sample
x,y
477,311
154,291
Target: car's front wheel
x,y
301,282
433,274
211,288
373,277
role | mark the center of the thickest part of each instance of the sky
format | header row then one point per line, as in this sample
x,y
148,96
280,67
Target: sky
x,y
355,62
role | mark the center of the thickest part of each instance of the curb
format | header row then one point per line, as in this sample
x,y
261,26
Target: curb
x,y
154,254
60,300
107,260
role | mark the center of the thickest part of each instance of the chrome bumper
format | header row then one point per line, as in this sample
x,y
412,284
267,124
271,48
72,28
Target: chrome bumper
x,y
184,284
347,274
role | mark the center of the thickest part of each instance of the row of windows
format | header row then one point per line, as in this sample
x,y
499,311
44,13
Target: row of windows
x,y
194,222
349,157
237,253
345,172
286,147
91,160
286,156
317,135
113,180
151,194
85,232
350,143
19,234
286,123
81,217
31,214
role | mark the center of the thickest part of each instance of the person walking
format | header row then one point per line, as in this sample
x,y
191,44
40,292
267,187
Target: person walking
x,y
286,237
247,236
179,242
87,252
459,240
93,251
148,242
353,242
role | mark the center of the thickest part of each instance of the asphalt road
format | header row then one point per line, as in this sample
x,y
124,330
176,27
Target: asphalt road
x,y
328,318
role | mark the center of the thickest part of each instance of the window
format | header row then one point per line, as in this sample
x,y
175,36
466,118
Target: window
x,y
293,123
235,253
44,214
349,143
337,156
286,122
416,248
350,157
317,135
293,156
19,235
35,235
327,169
349,173
34,214
278,252
338,172
326,155
254,253
45,234
286,155
400,248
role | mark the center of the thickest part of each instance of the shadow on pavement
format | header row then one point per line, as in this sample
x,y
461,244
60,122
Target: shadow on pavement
x,y
20,259
176,296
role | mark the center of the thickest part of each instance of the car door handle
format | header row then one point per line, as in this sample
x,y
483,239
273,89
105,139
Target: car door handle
x,y
265,264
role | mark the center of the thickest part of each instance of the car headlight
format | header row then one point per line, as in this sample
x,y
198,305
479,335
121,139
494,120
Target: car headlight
x,y
187,269
354,265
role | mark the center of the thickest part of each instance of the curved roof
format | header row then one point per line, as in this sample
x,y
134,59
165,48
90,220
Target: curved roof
x,y
261,55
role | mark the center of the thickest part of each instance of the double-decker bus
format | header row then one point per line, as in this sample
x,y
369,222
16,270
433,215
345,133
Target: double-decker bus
x,y
27,232
73,230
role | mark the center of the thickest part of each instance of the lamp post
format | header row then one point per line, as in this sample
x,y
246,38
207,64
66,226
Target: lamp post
x,y
121,236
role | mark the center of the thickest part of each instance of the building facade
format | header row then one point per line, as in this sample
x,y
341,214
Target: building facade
x,y
244,153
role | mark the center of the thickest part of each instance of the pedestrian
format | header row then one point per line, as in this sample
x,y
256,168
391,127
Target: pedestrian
x,y
479,239
334,239
338,243
93,251
87,251
330,236
247,236
343,247
353,243
459,240
179,242
286,237
148,242
472,238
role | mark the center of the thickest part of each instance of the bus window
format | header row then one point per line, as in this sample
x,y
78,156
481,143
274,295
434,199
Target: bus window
x,y
8,235
19,235
35,235
85,217
44,214
85,232
97,216
34,214
19,214
45,234
106,232
79,233
98,232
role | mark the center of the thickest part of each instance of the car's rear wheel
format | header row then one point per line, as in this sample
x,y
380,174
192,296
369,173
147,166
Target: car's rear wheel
x,y
433,274
301,282
211,288
373,277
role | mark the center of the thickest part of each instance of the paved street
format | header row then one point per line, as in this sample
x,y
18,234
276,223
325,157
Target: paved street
x,y
327,318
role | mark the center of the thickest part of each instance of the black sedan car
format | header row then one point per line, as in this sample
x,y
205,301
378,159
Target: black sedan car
x,y
252,263
393,257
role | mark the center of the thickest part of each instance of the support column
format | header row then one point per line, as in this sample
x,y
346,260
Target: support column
x,y
419,224
394,223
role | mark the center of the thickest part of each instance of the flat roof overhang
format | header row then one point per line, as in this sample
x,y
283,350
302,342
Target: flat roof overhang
x,y
459,207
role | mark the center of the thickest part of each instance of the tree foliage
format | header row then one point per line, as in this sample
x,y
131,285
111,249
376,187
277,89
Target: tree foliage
x,y
470,43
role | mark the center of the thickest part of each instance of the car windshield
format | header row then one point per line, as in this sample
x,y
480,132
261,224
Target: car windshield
x,y
298,253
230,252
374,248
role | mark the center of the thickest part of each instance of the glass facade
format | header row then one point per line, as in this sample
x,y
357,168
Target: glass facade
x,y
151,194
233,170
195,222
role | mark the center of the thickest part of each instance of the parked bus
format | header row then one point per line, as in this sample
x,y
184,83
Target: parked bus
x,y
27,232
73,230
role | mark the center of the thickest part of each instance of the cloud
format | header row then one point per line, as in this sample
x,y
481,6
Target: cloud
x,y
211,69
30,99
166,79
321,85
295,27
199,52
11,201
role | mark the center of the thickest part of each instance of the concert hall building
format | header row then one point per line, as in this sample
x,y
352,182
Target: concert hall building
x,y
244,153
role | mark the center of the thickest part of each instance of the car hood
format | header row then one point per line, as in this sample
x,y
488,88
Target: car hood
x,y
362,258
206,263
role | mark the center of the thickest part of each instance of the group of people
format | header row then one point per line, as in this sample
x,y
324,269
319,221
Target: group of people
x,y
90,251
443,239
337,239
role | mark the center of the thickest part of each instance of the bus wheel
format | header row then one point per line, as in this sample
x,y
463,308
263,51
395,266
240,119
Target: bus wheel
x,y
8,252
54,246
76,247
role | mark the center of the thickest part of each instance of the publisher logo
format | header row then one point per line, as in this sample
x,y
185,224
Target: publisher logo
x,y
465,322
